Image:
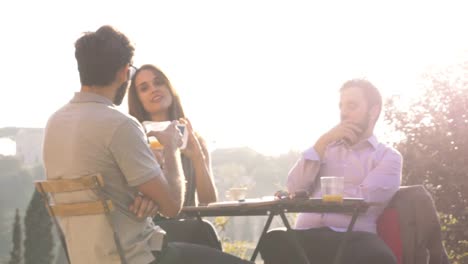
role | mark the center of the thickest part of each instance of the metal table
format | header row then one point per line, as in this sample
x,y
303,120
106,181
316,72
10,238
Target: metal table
x,y
273,207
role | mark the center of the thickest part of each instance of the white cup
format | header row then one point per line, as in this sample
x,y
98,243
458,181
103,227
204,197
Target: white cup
x,y
236,193
332,188
159,126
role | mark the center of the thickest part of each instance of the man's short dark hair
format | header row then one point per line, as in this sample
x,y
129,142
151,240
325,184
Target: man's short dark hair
x,y
371,93
101,54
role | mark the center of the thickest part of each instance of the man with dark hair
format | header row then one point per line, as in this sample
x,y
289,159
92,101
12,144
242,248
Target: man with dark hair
x,y
100,55
371,170
89,135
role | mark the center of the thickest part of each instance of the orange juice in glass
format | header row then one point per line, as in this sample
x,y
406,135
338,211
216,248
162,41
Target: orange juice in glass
x,y
160,126
332,188
333,198
154,143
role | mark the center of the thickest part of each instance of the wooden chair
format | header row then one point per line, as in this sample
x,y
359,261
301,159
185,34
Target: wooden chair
x,y
93,182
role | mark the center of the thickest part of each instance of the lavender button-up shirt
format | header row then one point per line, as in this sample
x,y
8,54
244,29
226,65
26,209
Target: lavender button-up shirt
x,y
371,171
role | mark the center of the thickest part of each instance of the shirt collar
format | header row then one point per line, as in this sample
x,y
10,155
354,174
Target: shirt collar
x,y
372,140
87,97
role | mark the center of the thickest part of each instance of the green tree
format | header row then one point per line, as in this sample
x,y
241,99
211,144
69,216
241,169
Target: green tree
x,y
39,243
15,254
434,146
15,191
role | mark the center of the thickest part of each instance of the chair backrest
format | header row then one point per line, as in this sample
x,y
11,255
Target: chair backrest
x,y
388,229
92,182
411,227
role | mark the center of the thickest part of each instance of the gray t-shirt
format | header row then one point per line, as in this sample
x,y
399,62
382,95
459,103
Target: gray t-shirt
x,y
89,135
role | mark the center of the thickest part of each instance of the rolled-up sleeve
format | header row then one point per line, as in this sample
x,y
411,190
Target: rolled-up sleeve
x,y
384,180
302,175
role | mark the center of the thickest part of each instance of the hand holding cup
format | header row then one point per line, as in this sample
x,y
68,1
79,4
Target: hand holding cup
x,y
170,137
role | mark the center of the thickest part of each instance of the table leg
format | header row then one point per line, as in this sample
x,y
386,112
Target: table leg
x,y
265,229
199,218
285,221
343,242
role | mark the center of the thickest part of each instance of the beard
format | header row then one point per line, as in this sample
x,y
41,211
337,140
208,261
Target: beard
x,y
120,93
363,124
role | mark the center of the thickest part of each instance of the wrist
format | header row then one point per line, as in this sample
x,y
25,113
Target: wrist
x,y
170,150
323,141
322,144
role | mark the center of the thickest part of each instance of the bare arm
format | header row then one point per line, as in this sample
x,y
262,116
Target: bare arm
x,y
198,153
167,191
206,190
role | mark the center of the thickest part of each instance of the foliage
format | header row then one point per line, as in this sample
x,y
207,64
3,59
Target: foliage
x,y
263,175
220,223
15,190
39,242
16,252
237,248
435,149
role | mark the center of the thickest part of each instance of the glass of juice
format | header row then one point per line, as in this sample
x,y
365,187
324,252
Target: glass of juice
x,y
154,143
160,126
332,188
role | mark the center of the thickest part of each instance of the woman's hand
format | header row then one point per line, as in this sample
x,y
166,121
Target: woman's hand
x,y
197,152
170,137
193,148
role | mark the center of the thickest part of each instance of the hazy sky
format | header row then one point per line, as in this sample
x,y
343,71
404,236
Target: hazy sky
x,y
263,74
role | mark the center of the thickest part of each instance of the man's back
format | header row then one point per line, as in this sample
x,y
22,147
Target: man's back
x,y
89,135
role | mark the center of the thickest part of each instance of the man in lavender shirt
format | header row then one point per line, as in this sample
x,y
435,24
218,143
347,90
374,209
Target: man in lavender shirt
x,y
371,170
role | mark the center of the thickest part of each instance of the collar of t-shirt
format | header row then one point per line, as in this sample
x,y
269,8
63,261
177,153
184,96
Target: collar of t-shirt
x,y
88,97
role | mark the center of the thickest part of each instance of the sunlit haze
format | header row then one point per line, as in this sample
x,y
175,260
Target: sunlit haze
x,y
263,74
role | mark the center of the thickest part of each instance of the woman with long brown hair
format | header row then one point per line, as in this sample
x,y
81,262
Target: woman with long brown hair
x,y
151,97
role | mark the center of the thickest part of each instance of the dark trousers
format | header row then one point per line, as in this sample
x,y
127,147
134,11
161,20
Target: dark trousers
x,y
183,253
320,246
190,231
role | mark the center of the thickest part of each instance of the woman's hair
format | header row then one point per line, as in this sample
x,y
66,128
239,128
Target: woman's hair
x,y
135,107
